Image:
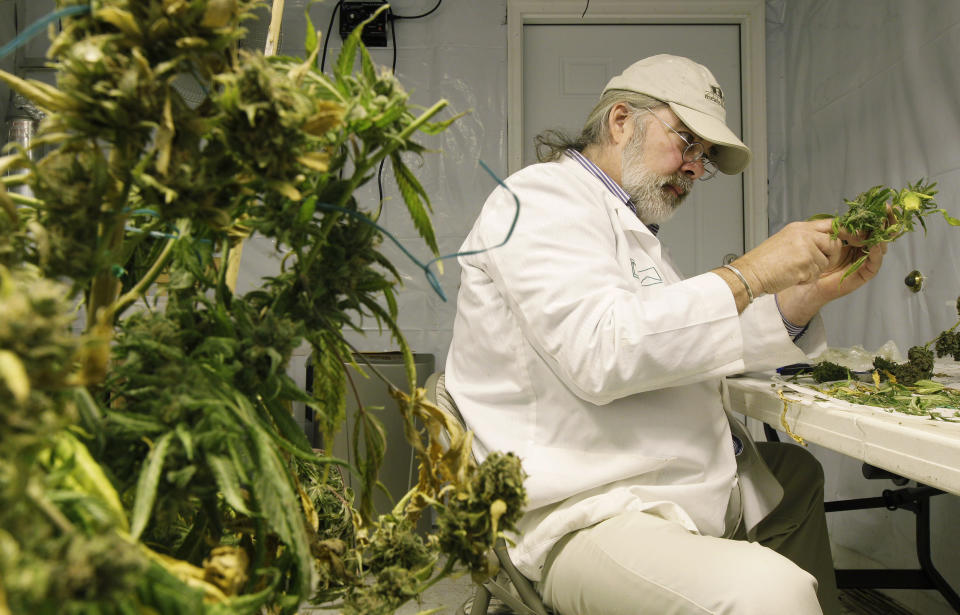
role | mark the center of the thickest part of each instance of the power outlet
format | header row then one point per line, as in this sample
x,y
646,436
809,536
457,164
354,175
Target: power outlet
x,y
352,14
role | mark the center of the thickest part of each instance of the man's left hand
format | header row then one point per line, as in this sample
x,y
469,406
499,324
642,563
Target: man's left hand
x,y
801,302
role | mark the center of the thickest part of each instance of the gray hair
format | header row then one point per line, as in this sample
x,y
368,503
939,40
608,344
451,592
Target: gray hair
x,y
550,144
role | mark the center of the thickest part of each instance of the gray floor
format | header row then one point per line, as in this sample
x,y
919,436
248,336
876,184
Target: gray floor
x,y
449,594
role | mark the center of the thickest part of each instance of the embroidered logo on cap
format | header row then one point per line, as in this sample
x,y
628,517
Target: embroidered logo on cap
x,y
715,95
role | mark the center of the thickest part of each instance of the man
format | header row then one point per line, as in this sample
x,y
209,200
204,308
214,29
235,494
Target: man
x,y
641,500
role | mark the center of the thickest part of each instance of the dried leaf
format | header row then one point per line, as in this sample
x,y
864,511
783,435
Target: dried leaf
x,y
14,376
218,13
9,207
315,161
122,20
43,95
286,189
164,139
329,115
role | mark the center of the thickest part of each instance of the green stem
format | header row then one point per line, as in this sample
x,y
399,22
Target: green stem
x,y
445,572
143,283
40,501
25,200
105,286
393,145
138,237
14,179
950,330
259,552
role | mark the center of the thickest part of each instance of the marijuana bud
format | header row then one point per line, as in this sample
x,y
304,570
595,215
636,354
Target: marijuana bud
x,y
919,366
825,371
492,501
922,358
948,344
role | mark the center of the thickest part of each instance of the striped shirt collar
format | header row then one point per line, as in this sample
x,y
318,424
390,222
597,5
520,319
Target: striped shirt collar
x,y
611,185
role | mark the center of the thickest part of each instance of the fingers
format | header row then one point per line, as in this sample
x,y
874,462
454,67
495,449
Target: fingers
x,y
875,258
853,239
831,249
797,254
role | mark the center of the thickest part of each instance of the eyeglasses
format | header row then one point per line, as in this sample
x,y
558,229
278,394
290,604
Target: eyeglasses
x,y
693,152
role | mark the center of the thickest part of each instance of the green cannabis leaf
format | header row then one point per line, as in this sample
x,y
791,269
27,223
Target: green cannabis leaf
x,y
881,215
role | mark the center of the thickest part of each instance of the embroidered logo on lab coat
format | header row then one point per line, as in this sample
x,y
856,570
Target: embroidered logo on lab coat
x,y
648,276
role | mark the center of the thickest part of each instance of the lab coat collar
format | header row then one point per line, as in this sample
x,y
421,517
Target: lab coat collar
x,y
628,220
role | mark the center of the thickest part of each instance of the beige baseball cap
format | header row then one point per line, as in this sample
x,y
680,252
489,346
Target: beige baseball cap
x,y
694,95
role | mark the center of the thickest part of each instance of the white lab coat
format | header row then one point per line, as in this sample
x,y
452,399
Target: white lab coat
x,y
579,347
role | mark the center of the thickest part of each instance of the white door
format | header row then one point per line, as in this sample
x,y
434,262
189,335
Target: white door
x,y
566,66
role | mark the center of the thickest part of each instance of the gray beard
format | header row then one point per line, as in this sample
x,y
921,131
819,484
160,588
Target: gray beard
x,y
654,203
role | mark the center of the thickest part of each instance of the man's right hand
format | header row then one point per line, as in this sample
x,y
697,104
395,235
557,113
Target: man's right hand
x,y
796,254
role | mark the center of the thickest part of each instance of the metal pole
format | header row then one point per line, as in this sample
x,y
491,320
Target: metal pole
x,y
22,120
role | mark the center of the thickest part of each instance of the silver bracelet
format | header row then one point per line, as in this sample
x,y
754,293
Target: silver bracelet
x,y
742,279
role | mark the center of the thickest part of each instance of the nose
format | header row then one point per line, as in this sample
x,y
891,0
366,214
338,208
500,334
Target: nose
x,y
694,169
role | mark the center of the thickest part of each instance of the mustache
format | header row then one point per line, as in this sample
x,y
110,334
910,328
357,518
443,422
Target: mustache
x,y
681,181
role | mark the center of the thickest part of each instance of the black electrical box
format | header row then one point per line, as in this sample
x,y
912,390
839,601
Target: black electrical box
x,y
352,14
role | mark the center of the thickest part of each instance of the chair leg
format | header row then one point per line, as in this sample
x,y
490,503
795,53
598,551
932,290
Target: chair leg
x,y
481,601
529,595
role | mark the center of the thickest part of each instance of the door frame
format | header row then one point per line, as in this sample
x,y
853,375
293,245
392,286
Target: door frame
x,y
748,14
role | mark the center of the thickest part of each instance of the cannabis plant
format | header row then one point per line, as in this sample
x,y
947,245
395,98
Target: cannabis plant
x,y
882,215
149,461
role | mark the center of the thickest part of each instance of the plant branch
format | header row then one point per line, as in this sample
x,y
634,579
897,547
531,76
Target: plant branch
x,y
26,200
143,283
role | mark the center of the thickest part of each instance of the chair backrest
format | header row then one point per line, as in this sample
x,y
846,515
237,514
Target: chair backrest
x,y
437,395
511,587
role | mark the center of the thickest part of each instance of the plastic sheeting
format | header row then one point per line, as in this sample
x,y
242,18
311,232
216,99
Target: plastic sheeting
x,y
864,92
861,93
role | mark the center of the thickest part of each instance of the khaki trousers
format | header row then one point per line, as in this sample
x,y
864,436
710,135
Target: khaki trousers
x,y
638,564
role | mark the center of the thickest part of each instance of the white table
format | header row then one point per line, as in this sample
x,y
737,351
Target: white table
x,y
919,448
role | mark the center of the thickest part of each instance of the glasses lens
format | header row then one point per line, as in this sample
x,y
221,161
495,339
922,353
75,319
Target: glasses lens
x,y
693,152
709,170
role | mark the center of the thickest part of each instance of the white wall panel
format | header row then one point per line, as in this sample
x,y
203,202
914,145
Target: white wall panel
x,y
864,92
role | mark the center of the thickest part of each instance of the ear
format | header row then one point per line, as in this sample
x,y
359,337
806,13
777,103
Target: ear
x,y
620,123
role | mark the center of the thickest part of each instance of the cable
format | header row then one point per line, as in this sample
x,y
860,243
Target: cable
x,y
436,6
431,277
326,39
393,69
391,17
38,26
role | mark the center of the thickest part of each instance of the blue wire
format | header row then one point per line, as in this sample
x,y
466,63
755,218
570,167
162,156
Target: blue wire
x,y
38,27
158,234
431,277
